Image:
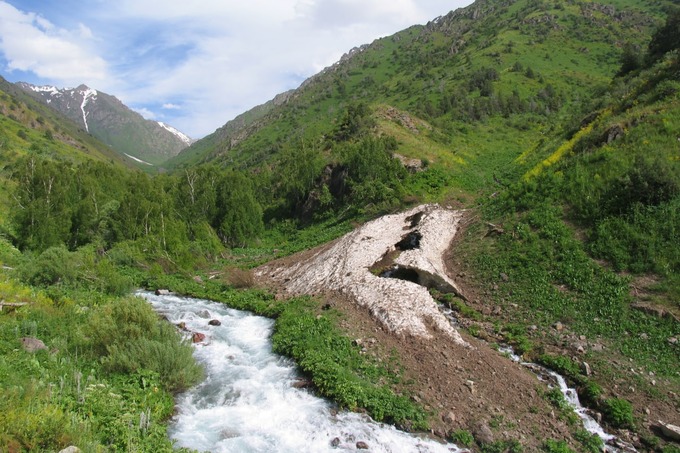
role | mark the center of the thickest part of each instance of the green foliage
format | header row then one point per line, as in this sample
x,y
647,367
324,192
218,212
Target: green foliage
x,y
239,213
666,38
556,446
503,446
52,399
130,338
462,437
618,412
591,443
336,367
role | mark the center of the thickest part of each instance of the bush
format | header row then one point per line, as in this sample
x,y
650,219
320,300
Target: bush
x,y
462,437
618,412
131,338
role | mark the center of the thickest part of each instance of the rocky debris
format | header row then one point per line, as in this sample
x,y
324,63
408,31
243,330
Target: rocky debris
x,y
670,431
335,442
403,307
215,322
182,326
31,344
162,292
197,337
412,165
361,445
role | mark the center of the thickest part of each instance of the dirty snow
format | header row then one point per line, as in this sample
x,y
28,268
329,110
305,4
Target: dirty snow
x,y
403,307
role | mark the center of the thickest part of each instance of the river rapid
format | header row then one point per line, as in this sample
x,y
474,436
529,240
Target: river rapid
x,y
247,402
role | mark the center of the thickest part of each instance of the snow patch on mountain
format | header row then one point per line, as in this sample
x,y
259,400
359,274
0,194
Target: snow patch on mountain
x,y
44,89
87,94
186,139
138,160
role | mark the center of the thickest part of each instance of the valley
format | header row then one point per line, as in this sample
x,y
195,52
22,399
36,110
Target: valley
x,y
513,166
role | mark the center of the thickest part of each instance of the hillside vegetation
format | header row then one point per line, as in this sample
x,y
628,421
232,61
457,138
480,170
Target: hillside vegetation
x,y
556,124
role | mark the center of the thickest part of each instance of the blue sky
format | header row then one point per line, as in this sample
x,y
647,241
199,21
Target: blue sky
x,y
193,65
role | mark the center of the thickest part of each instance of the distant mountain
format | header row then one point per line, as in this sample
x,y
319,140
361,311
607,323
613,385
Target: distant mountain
x,y
108,119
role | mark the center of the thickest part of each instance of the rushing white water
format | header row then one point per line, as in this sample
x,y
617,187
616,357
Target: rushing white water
x,y
589,423
247,402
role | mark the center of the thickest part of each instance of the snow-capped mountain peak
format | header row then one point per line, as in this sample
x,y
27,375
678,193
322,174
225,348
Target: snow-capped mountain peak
x,y
177,133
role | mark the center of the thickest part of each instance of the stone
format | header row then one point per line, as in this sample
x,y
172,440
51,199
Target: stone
x,y
558,326
198,279
335,442
585,369
197,337
672,340
205,314
504,277
482,433
162,292
361,445
71,449
301,383
670,431
449,418
31,344
182,326
215,322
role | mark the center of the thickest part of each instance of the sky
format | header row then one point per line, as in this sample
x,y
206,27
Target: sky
x,y
193,65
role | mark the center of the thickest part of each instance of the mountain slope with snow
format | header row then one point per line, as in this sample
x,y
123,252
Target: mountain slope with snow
x,y
108,119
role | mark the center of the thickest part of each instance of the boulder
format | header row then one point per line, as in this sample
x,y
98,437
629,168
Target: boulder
x,y
361,445
71,449
482,433
215,322
449,418
335,442
670,431
31,344
162,292
197,337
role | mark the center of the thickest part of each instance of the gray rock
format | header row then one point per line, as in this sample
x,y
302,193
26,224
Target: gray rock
x,y
670,431
163,292
361,445
482,433
215,322
449,418
71,449
585,368
335,442
31,344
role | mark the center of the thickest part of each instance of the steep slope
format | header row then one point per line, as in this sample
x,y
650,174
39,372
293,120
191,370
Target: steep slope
x,y
108,119
506,71
29,128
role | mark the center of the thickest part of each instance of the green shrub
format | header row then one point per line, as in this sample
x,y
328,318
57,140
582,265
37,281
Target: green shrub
x,y
554,446
618,412
130,338
462,437
592,443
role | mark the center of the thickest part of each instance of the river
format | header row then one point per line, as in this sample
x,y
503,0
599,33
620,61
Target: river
x,y
247,402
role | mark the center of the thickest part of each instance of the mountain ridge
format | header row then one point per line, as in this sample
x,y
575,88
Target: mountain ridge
x,y
107,118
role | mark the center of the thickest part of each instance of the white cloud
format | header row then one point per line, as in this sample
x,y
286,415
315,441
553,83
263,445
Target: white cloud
x,y
171,106
30,42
